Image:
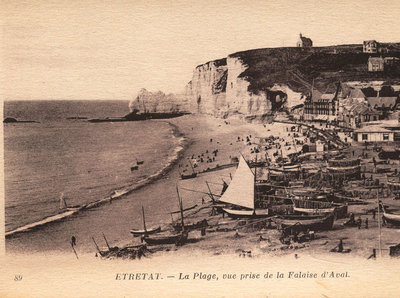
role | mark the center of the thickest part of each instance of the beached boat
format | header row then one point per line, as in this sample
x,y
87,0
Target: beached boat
x,y
137,233
139,162
304,222
241,193
145,231
168,238
119,193
189,176
393,219
64,206
134,168
311,206
233,213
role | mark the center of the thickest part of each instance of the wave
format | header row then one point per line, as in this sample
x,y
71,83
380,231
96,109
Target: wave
x,y
116,193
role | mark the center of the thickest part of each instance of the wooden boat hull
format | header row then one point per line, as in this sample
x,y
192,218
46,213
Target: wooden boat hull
x,y
186,209
177,239
314,223
246,213
191,226
190,176
313,211
137,233
393,219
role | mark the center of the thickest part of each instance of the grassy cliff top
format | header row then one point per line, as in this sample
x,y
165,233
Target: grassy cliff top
x,y
298,67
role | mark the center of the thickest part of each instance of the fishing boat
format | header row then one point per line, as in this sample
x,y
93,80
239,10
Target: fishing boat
x,y
241,193
64,206
312,207
304,222
119,193
393,219
169,238
145,231
189,176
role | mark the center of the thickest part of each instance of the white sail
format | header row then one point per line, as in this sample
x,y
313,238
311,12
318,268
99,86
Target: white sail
x,y
240,191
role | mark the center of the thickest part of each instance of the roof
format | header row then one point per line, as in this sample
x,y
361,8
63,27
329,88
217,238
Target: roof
x,y
369,41
356,93
375,59
382,101
373,128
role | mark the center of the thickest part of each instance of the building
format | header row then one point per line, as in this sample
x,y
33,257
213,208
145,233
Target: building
x,y
353,113
373,133
370,46
391,61
304,42
383,103
376,64
321,107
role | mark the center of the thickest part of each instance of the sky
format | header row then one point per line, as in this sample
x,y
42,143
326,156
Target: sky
x,y
111,49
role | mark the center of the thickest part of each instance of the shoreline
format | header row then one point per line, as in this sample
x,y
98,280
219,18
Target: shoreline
x,y
183,144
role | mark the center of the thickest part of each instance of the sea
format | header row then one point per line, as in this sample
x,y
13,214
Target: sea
x,y
62,154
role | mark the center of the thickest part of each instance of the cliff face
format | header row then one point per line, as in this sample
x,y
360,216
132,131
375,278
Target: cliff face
x,y
218,89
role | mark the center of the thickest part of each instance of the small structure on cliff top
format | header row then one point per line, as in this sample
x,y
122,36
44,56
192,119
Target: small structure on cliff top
x,y
304,42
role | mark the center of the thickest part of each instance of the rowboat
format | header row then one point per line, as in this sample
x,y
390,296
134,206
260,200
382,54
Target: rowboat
x,y
304,222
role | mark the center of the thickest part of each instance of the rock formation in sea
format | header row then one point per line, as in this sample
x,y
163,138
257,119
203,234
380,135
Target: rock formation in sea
x,y
158,102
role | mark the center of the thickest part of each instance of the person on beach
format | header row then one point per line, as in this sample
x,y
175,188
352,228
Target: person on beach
x,y
366,223
359,222
73,241
373,256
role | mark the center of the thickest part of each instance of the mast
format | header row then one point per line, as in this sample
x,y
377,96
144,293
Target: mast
x,y
255,191
191,166
211,195
379,224
144,220
181,208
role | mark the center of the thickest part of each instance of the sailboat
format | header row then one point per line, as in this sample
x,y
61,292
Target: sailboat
x,y
241,193
168,238
145,231
64,206
189,176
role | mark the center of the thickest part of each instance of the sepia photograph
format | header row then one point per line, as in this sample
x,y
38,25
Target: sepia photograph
x,y
200,148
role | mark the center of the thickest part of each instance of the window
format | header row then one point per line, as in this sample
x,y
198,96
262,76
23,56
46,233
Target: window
x,y
364,137
385,136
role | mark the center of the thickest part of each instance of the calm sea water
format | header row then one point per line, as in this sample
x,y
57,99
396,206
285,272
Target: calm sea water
x,y
84,161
